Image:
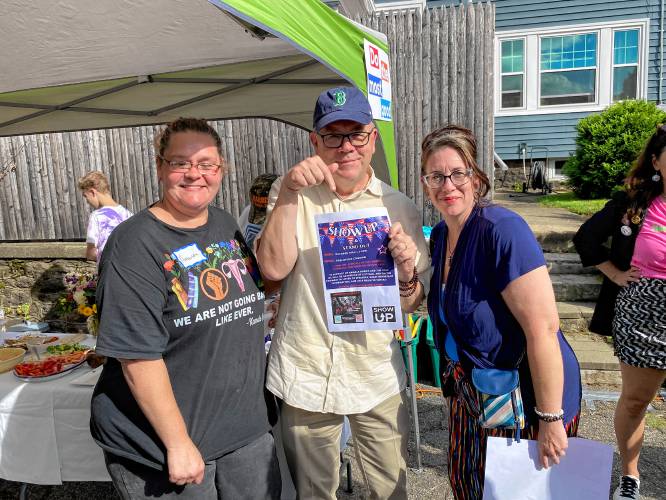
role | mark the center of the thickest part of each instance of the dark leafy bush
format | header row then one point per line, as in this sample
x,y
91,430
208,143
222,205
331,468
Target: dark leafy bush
x,y
607,144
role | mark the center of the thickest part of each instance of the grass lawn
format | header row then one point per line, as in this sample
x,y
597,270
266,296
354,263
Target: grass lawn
x,y
570,202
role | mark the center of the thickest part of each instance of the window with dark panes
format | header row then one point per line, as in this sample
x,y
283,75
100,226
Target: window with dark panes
x,y
513,73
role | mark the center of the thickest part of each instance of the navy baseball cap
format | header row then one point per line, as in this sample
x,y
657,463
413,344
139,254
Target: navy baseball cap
x,y
341,103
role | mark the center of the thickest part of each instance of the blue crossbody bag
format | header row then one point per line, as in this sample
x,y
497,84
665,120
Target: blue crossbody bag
x,y
500,401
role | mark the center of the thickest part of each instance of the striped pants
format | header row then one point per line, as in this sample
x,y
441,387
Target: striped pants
x,y
467,448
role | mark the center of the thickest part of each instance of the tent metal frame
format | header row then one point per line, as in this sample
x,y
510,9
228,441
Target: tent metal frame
x,y
231,85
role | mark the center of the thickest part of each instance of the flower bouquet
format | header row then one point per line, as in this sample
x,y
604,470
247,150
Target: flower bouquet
x,y
78,301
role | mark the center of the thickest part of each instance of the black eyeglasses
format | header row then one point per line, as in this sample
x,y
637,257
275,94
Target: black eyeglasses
x,y
182,166
356,139
437,179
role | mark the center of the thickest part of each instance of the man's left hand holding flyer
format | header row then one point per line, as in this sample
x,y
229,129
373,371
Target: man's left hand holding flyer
x,y
358,271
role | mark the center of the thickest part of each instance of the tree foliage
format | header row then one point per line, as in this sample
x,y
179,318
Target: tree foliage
x,y
607,144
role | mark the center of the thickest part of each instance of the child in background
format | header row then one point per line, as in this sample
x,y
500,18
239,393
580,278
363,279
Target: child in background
x,y
106,216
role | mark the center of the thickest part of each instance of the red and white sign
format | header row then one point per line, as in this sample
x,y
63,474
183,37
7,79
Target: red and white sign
x,y
374,56
385,72
378,81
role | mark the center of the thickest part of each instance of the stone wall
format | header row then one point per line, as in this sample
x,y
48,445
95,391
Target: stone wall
x,y
37,280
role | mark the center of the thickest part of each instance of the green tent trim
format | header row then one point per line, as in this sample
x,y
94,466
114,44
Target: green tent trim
x,y
333,43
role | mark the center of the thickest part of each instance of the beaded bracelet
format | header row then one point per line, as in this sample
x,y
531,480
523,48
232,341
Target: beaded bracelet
x,y
549,417
408,288
406,285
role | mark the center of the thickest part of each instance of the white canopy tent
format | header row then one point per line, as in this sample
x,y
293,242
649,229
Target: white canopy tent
x,y
77,65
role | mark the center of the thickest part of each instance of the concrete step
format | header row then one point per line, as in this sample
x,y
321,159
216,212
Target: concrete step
x,y
567,263
598,364
576,287
554,241
575,316
575,310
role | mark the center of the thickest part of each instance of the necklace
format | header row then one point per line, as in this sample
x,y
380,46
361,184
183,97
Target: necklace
x,y
449,250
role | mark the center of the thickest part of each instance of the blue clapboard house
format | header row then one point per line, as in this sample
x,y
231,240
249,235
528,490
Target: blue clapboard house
x,y
557,61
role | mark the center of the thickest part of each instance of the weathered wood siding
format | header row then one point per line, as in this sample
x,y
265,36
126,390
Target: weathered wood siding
x,y
442,72
40,200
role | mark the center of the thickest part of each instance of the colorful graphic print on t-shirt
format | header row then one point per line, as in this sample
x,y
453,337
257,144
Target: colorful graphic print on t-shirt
x,y
209,272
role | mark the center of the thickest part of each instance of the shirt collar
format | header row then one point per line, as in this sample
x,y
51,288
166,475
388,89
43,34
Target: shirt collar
x,y
373,186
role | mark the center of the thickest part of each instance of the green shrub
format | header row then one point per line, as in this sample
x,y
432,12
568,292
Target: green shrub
x,y
607,144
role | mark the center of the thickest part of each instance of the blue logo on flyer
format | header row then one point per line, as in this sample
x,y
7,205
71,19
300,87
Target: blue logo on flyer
x,y
374,85
385,109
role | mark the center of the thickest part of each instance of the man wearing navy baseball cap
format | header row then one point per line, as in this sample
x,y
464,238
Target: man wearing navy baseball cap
x,y
321,376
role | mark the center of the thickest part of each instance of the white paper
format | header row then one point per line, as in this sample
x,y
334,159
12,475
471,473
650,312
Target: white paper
x,y
359,276
379,81
513,471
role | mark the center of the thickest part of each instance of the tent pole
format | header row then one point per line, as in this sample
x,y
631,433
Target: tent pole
x,y
412,388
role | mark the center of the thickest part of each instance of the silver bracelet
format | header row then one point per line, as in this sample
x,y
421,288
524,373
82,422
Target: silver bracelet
x,y
549,417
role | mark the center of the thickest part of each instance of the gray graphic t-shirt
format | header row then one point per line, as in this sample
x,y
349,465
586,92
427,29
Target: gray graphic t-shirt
x,y
193,298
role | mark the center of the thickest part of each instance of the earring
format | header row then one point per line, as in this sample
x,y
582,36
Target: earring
x,y
656,177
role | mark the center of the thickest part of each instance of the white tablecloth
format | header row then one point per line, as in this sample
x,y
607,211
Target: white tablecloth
x,y
45,431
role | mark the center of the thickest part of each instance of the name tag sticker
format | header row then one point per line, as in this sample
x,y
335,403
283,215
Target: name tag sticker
x,y
189,255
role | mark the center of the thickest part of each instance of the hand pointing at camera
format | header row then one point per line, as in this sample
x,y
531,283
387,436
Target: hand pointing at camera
x,y
310,172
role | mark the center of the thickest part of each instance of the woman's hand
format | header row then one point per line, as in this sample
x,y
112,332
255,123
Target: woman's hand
x,y
623,278
552,442
185,464
403,251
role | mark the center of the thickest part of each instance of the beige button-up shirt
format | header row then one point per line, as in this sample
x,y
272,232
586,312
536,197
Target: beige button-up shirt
x,y
342,372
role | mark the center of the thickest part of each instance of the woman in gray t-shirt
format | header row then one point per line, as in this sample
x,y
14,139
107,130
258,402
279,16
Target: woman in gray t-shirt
x,y
180,408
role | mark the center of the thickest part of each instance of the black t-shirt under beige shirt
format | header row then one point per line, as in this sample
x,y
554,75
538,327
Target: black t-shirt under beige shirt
x,y
189,297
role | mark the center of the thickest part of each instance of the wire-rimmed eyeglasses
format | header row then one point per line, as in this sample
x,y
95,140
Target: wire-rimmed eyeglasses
x,y
437,179
356,139
204,167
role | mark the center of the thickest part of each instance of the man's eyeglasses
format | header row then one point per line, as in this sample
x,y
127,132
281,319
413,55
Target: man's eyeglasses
x,y
437,179
356,139
204,167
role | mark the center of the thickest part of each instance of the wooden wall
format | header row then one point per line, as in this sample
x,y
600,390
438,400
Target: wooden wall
x,y
442,72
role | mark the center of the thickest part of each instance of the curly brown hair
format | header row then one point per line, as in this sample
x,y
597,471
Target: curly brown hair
x,y
641,189
464,142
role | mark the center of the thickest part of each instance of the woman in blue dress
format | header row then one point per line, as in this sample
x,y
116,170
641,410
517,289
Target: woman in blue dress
x,y
492,305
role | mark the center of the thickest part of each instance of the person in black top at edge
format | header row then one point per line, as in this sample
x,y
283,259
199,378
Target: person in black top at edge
x,y
633,295
180,408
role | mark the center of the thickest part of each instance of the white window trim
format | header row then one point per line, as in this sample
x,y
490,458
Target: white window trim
x,y
401,4
597,71
532,71
523,73
625,65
